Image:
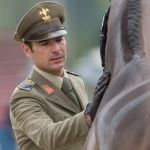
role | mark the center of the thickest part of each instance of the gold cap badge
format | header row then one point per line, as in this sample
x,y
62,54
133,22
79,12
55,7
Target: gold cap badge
x,y
44,13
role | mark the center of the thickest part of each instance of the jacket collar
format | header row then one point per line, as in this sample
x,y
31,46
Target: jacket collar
x,y
51,92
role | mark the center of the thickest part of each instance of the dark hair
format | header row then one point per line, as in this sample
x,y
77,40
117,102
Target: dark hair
x,y
29,43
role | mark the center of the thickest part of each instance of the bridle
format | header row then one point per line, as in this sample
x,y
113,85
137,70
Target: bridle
x,y
103,35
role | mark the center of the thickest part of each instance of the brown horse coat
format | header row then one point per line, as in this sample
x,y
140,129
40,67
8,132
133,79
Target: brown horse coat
x,y
123,118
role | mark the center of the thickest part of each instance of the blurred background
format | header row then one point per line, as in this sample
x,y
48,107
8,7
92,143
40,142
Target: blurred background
x,y
83,22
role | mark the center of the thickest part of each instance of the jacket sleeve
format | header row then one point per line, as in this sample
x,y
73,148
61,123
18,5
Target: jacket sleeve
x,y
29,114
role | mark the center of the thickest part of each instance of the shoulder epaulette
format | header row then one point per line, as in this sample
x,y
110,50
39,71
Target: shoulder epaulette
x,y
72,73
26,85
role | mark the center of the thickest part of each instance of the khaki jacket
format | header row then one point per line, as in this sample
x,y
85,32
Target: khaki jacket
x,y
43,118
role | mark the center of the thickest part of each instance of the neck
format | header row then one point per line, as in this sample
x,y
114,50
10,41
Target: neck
x,y
59,73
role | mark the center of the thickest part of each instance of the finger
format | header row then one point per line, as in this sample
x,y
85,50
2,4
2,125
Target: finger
x,y
107,72
103,78
101,85
99,95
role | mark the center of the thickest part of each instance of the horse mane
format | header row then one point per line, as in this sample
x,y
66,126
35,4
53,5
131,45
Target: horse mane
x,y
130,35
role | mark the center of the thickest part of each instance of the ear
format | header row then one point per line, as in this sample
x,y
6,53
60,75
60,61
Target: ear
x,y
26,49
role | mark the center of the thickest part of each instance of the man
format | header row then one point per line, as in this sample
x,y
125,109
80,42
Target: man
x,y
45,115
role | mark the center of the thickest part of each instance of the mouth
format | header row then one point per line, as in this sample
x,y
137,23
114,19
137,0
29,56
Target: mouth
x,y
56,59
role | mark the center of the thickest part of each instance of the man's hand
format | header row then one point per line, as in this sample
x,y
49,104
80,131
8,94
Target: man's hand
x,y
100,89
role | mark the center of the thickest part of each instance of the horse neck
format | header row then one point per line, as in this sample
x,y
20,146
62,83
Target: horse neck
x,y
120,49
129,69
113,52
145,25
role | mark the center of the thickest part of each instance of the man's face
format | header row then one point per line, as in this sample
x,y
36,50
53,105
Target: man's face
x,y
49,55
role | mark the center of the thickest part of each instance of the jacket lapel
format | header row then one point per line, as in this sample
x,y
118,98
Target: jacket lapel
x,y
52,93
81,95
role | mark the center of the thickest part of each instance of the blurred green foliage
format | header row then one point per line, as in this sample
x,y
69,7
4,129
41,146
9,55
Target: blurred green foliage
x,y
83,21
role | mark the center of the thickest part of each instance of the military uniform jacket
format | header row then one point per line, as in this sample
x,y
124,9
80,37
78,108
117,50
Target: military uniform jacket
x,y
44,118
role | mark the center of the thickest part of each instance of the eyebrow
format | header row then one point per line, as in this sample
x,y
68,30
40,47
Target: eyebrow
x,y
43,41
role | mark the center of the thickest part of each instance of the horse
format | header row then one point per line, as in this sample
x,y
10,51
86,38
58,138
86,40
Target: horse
x,y
122,121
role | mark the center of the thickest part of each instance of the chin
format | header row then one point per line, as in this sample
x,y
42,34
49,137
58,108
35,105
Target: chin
x,y
57,68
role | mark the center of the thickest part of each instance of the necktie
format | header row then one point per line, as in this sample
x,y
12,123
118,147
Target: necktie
x,y
67,89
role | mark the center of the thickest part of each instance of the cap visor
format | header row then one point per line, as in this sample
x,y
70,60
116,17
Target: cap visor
x,y
50,35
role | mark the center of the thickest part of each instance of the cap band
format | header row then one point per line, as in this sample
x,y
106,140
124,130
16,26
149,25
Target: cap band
x,y
36,31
